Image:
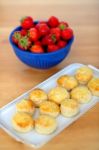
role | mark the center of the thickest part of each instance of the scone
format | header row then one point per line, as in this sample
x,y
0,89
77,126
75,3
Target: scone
x,y
38,96
22,122
93,86
45,124
81,94
67,81
69,107
58,94
49,108
84,74
25,106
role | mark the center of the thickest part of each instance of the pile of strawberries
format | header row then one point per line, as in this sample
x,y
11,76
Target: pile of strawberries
x,y
42,36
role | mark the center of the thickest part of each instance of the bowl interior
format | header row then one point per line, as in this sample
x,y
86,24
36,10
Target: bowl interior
x,y
48,53
43,60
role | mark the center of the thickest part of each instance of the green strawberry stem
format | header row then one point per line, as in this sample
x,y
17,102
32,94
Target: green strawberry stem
x,y
17,35
62,27
24,42
53,38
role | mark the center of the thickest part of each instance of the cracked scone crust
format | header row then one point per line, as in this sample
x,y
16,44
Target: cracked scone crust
x,y
93,85
67,81
38,96
84,74
81,94
58,94
49,108
69,107
25,106
45,124
22,122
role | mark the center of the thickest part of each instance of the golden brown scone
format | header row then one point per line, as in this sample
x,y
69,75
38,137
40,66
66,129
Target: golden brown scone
x,y
58,94
22,122
49,108
38,96
67,81
93,86
25,106
45,124
69,107
81,94
84,74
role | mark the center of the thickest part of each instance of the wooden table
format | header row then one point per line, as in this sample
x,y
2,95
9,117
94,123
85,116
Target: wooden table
x,y
16,78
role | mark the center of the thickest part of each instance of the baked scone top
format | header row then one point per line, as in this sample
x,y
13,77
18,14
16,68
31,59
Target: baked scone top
x,y
38,93
22,119
94,83
84,74
49,106
67,81
82,94
58,94
70,103
45,121
25,104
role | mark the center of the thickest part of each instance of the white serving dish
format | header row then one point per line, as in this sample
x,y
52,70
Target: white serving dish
x,y
32,138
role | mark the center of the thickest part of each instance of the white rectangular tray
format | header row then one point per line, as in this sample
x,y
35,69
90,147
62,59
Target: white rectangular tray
x,y
32,138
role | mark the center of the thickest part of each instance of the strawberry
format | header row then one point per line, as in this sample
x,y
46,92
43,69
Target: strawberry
x,y
53,21
24,43
27,22
56,32
44,40
61,43
37,43
63,25
49,39
42,28
16,36
42,21
37,49
52,48
23,32
33,34
67,34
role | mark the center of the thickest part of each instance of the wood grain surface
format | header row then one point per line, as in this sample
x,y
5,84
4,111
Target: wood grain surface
x,y
16,78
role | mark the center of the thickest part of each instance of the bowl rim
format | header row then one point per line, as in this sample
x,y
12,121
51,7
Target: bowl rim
x,y
36,54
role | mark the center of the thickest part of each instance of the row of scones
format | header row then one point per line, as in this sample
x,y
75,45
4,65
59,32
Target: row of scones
x,y
65,99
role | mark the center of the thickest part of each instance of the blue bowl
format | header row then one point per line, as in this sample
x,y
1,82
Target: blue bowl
x,y
40,61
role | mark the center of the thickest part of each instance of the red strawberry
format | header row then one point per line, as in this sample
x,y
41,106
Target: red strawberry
x,y
61,43
16,36
67,34
53,21
63,25
42,21
33,34
23,32
42,28
39,23
37,49
44,41
24,43
52,48
27,22
38,43
49,39
56,32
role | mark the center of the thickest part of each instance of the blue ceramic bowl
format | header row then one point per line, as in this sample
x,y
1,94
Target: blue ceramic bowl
x,y
41,61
